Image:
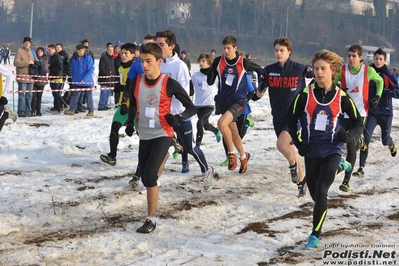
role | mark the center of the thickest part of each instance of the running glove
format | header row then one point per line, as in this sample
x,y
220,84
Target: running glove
x,y
173,120
129,128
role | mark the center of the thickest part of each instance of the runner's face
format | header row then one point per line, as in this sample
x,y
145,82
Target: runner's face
x,y
126,56
354,59
203,63
282,54
167,51
150,65
229,51
323,73
379,60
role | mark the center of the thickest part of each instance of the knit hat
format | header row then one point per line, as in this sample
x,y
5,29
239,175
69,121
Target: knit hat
x,y
27,39
183,52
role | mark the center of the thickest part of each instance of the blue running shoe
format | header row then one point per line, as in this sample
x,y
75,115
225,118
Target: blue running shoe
x,y
185,167
218,135
313,242
346,166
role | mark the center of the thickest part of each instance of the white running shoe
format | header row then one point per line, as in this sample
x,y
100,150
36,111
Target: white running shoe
x,y
11,114
208,178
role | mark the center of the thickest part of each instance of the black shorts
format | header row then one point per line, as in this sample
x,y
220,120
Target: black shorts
x,y
235,109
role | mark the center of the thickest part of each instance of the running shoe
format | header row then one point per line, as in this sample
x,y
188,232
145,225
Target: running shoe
x,y
344,186
294,172
185,167
362,144
359,173
392,148
232,162
225,162
218,136
251,123
134,183
11,114
106,158
313,242
244,163
147,227
208,178
302,188
344,165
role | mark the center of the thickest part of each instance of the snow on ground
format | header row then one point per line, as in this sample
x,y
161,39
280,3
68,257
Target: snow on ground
x,y
62,206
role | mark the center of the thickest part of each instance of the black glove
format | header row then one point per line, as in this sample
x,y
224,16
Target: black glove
x,y
343,136
129,128
216,98
173,120
303,149
263,86
3,100
124,109
374,102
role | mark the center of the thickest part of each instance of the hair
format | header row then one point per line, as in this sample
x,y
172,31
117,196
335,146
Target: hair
x,y
329,57
381,52
283,41
116,46
131,47
151,37
84,40
44,52
59,44
151,48
230,40
52,46
109,44
207,58
356,48
169,35
177,48
213,50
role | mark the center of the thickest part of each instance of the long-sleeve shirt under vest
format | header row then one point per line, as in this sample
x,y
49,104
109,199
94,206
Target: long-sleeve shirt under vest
x,y
322,141
391,90
123,78
232,81
356,81
284,84
173,88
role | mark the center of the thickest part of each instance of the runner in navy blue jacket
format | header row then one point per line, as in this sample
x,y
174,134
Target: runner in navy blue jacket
x,y
382,115
285,79
320,108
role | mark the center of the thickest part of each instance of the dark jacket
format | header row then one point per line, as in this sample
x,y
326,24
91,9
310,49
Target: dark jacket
x,y
391,90
42,81
284,84
56,66
65,62
106,67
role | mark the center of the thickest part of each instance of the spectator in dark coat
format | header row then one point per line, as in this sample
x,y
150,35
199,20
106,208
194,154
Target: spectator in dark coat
x,y
106,69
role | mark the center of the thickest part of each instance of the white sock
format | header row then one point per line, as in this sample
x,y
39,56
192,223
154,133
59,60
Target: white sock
x,y
152,218
243,157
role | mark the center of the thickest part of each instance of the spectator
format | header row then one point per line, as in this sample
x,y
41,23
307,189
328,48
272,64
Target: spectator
x,y
183,56
82,69
106,69
23,59
66,71
56,71
38,87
